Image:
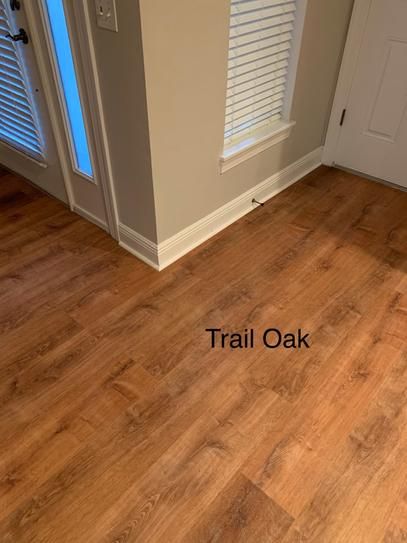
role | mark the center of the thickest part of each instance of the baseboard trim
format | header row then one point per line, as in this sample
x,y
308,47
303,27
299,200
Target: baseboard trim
x,y
162,255
139,246
90,217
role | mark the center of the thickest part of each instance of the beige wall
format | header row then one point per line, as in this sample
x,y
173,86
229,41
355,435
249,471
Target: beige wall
x,y
163,83
120,65
185,46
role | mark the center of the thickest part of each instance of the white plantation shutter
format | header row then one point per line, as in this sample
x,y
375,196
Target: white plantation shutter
x,y
18,123
261,33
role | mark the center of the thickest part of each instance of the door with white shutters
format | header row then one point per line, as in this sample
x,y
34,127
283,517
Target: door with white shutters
x,y
27,144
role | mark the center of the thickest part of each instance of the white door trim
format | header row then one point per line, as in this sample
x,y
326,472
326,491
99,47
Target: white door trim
x,y
350,60
94,115
30,12
96,118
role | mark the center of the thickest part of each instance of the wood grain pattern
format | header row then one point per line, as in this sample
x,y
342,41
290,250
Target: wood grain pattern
x,y
119,423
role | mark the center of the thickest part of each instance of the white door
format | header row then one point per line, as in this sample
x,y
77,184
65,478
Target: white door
x,y
62,161
27,145
373,137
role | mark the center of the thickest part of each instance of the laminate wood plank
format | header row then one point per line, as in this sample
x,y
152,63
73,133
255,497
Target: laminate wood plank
x,y
197,465
241,512
119,422
365,464
396,531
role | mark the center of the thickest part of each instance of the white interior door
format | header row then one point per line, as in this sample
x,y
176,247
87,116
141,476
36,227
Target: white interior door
x,y
61,157
373,137
27,144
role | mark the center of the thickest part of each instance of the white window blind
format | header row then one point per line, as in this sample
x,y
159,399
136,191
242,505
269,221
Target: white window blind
x,y
261,33
18,123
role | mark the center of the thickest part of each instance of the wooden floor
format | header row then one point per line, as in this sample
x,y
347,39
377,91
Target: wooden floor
x,y
119,423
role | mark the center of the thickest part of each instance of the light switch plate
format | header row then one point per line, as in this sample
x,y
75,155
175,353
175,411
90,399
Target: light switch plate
x,y
106,14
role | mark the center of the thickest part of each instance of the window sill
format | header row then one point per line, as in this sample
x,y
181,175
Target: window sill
x,y
238,152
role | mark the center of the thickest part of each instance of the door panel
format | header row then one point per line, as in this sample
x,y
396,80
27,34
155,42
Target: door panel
x,y
55,75
56,32
391,102
27,145
373,139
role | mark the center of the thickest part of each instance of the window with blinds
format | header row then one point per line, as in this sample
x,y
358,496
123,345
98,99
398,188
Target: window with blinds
x,y
261,36
19,126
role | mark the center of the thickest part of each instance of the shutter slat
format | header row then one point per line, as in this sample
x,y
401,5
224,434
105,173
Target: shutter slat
x,y
14,111
13,98
22,133
13,86
21,123
261,34
10,67
13,139
18,123
5,100
5,46
9,58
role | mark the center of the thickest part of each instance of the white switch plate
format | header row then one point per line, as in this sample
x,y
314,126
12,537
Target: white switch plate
x,y
106,14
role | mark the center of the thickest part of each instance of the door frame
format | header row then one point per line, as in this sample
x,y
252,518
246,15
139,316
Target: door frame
x,y
83,51
354,41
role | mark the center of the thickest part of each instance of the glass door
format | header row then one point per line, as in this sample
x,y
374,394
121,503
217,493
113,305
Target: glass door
x,y
27,145
45,129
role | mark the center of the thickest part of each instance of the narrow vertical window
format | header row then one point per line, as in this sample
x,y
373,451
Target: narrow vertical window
x,y
66,68
263,54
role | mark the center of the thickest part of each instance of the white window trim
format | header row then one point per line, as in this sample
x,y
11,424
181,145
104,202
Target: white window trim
x,y
238,151
255,143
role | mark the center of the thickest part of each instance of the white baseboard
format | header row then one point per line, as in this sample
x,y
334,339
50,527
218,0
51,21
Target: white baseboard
x,y
139,246
162,255
90,217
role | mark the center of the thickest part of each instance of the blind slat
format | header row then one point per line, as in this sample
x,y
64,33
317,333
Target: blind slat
x,y
244,15
261,34
268,26
266,81
250,39
255,109
258,76
232,104
254,123
257,56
